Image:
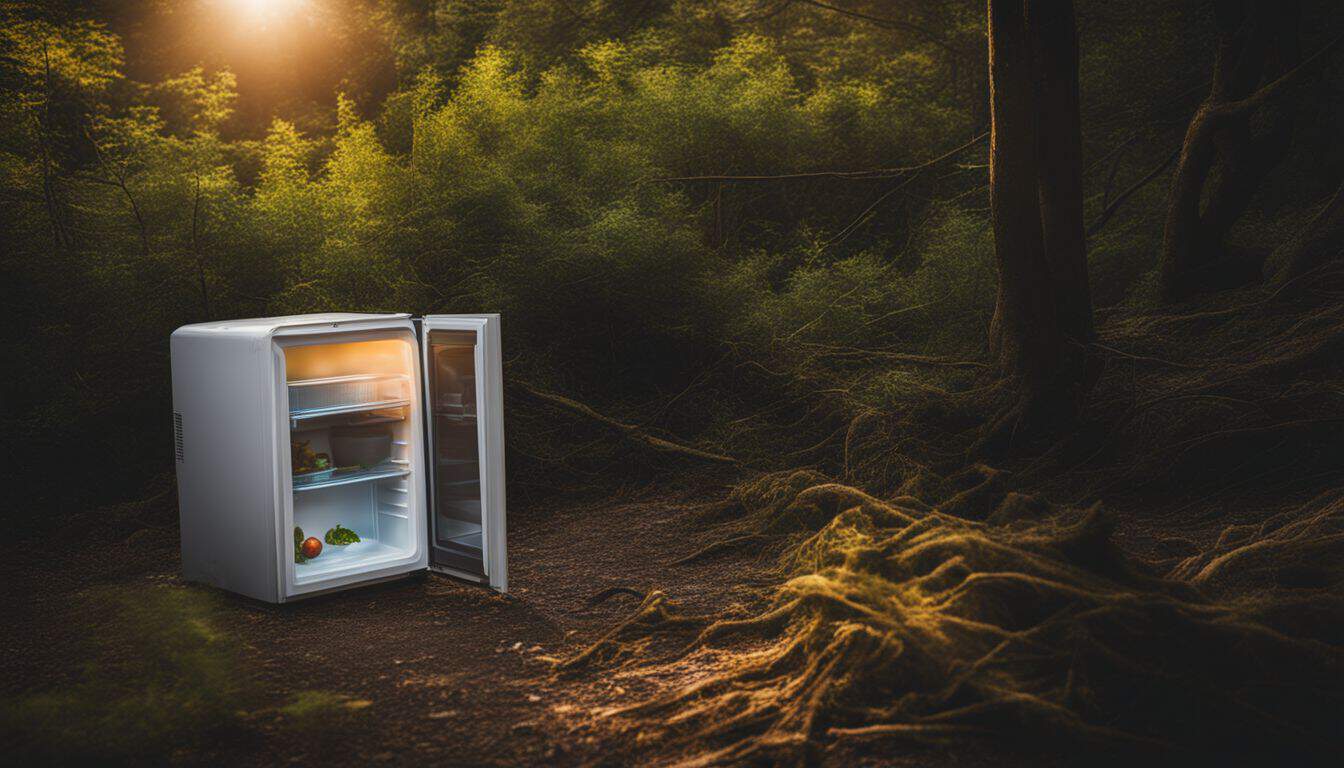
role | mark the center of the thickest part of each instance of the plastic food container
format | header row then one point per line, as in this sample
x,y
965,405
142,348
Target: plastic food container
x,y
362,446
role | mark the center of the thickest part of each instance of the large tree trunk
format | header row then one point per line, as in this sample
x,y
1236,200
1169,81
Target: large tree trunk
x,y
1060,170
1227,155
1023,333
1043,313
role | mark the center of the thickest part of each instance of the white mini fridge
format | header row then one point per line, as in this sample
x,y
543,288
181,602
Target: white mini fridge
x,y
321,452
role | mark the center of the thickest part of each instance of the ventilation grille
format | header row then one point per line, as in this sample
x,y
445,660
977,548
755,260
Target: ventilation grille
x,y
177,435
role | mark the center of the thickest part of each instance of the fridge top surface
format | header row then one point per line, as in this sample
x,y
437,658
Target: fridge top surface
x,y
266,326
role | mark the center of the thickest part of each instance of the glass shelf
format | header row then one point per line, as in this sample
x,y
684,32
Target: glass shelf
x,y
380,472
296,417
338,395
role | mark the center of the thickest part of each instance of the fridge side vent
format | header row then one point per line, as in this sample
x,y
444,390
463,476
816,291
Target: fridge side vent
x,y
177,435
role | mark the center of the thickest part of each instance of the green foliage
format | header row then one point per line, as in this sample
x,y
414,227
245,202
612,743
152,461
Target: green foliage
x,y
204,103
935,297
512,181
532,162
158,675
79,54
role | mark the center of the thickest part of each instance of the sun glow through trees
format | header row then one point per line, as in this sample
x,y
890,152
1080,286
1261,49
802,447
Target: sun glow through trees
x,y
265,14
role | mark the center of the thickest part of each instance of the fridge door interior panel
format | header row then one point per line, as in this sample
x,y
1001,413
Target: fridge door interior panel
x,y
465,426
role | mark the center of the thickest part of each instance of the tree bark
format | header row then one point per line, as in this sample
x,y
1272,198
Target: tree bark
x,y
1023,333
1225,158
1060,170
1043,312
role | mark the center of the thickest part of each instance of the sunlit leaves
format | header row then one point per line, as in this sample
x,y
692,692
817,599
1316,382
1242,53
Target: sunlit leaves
x,y
205,101
82,54
497,185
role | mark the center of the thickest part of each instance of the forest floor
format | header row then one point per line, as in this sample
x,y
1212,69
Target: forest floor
x,y
441,672
1175,588
452,673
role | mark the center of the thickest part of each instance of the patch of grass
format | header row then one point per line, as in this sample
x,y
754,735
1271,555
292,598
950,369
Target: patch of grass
x,y
157,675
311,711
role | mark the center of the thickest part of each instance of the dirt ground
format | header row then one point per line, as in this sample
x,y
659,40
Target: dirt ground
x,y
454,674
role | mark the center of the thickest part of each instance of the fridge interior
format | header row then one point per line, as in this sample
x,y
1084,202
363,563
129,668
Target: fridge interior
x,y
456,436
352,433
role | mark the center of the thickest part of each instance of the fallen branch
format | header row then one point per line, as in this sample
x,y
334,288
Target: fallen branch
x,y
856,353
628,431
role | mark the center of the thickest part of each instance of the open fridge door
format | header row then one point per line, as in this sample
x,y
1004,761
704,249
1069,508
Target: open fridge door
x,y
465,426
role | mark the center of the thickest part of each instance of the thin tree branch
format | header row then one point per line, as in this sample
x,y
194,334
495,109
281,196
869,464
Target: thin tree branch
x,y
875,173
906,26
118,180
1109,184
196,249
858,221
857,353
1120,199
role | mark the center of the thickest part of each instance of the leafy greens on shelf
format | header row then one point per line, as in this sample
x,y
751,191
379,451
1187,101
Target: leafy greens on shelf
x,y
341,535
299,557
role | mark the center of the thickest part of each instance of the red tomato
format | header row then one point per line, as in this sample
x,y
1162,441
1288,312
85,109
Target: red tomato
x,y
312,547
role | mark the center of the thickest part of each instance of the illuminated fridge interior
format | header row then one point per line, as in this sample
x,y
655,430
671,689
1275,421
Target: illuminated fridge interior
x,y
352,434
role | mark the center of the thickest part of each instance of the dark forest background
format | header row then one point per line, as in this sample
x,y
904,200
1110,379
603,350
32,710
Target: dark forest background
x,y
173,162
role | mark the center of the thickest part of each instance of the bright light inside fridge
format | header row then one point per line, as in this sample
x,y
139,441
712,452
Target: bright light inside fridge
x,y
351,437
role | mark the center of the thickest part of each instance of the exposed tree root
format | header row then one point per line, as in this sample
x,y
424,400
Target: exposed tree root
x,y
722,546
632,634
760,510
901,621
1292,550
780,505
610,592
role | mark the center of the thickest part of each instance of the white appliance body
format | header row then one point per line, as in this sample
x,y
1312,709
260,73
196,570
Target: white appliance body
x,y
245,390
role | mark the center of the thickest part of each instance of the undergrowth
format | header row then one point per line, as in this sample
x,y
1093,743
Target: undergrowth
x,y
157,674
952,599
